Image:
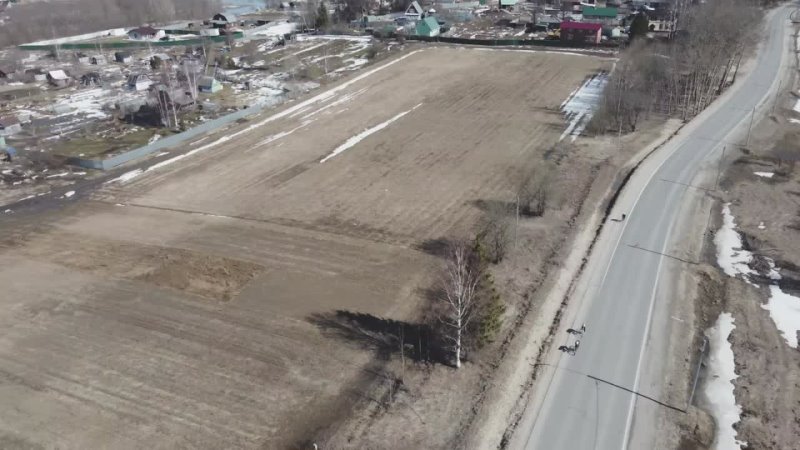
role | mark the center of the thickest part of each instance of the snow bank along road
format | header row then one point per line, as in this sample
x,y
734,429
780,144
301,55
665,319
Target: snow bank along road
x,y
622,279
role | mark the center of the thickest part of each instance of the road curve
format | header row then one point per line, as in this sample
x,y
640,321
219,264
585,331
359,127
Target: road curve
x,y
576,411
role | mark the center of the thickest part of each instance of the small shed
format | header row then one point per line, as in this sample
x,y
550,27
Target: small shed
x,y
83,59
209,31
428,27
35,74
414,10
139,82
9,125
99,60
123,57
145,34
208,85
57,78
581,32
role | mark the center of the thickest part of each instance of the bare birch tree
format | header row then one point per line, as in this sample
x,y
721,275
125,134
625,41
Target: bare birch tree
x,y
460,281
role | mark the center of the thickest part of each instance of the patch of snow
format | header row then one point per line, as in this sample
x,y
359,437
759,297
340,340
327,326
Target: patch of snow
x,y
784,309
797,106
719,386
289,111
153,139
364,134
8,211
731,257
58,175
68,194
127,176
280,135
761,226
277,30
334,37
794,120
764,174
307,49
344,99
352,64
579,107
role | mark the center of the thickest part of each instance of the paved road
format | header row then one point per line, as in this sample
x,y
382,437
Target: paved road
x,y
577,413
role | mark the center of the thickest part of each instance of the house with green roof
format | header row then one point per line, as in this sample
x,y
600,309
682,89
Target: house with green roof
x,y
428,27
606,16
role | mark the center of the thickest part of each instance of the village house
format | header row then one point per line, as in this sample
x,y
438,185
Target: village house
x,y
414,11
507,4
428,27
123,57
6,74
139,82
209,85
145,34
83,58
605,16
661,23
581,32
35,74
58,78
221,20
99,60
9,125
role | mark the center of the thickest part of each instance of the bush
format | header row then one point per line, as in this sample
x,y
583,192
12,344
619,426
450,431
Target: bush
x,y
491,319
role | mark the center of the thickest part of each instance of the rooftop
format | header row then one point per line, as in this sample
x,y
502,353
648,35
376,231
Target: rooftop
x,y
591,11
581,26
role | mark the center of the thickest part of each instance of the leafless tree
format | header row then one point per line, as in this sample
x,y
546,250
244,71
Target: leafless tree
x,y
683,76
495,230
460,281
532,194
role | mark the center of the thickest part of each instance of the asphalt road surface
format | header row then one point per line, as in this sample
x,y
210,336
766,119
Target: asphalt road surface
x,y
578,412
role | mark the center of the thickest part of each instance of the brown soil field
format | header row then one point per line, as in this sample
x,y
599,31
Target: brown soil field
x,y
230,300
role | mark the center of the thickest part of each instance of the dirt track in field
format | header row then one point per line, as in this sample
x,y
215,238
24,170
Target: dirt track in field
x,y
181,319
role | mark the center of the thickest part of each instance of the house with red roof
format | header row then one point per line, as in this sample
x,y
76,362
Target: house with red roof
x,y
581,32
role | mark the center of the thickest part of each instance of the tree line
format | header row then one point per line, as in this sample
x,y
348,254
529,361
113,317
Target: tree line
x,y
682,76
47,20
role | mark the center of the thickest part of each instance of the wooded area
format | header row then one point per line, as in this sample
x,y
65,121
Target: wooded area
x,y
680,77
47,20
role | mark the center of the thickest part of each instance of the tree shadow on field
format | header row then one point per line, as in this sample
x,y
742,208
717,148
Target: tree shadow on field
x,y
420,341
496,206
435,247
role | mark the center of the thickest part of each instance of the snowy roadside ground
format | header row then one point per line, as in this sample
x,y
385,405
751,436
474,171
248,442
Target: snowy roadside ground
x,y
784,309
719,384
579,107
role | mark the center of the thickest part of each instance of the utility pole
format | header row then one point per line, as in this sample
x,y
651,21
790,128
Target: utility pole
x,y
516,226
777,95
750,127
